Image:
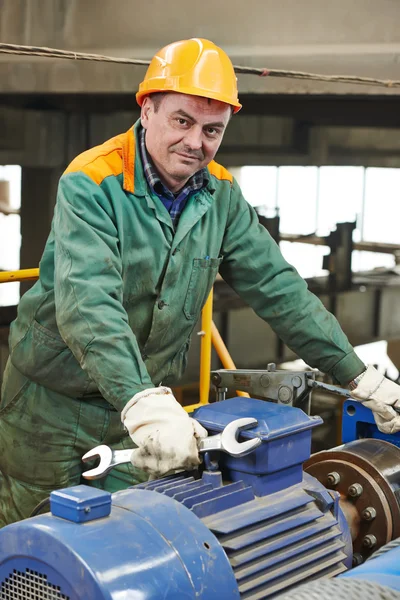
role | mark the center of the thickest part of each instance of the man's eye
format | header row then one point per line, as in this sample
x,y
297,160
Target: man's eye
x,y
182,121
212,132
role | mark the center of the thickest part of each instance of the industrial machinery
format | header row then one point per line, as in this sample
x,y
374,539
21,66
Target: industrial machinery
x,y
377,578
252,527
290,388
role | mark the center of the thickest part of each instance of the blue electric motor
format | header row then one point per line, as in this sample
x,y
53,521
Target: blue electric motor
x,y
377,578
256,527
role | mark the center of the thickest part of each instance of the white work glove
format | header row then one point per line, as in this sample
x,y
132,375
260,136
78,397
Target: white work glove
x,y
380,394
167,438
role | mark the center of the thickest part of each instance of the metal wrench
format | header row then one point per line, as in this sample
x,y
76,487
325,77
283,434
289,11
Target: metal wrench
x,y
326,387
108,460
226,441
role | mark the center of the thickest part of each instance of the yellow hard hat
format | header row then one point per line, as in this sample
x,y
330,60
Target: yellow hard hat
x,y
196,67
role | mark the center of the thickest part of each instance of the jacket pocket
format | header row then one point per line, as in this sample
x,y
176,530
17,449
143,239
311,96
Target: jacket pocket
x,y
204,272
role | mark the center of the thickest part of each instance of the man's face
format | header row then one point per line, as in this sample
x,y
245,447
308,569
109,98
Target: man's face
x,y
183,135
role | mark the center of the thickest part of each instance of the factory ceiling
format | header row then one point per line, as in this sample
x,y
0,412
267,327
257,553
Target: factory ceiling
x,y
361,37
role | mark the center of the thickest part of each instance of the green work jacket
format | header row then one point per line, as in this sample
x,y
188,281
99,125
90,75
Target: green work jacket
x,y
120,291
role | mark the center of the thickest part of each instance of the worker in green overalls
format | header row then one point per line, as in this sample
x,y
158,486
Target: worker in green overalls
x,y
142,225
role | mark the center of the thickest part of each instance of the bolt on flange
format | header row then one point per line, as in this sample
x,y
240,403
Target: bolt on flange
x,y
358,559
369,513
369,541
355,490
333,478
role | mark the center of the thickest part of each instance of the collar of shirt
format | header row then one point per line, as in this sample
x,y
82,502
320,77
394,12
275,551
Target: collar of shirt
x,y
174,203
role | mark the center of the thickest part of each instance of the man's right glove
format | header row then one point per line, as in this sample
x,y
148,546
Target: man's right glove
x,y
167,438
381,395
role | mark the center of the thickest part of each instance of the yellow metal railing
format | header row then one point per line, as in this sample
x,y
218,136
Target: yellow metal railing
x,y
23,275
210,336
205,349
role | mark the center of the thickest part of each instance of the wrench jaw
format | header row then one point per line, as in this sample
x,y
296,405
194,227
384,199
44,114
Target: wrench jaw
x,y
104,454
230,438
227,441
248,447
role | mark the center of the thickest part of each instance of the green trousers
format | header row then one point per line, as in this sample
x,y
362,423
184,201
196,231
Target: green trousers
x,y
43,436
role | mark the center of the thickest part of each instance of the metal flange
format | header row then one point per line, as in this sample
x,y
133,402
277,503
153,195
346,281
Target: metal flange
x,y
368,480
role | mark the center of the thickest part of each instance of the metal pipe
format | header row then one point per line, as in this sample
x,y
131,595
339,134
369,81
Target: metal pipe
x,y
22,275
223,353
315,240
210,335
205,349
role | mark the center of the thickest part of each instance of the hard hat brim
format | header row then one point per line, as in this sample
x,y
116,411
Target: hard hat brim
x,y
141,94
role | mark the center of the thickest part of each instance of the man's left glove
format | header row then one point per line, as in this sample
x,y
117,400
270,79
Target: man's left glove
x,y
167,438
382,396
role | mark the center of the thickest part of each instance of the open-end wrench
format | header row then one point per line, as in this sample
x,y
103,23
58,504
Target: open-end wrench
x,y
333,389
226,441
108,459
327,387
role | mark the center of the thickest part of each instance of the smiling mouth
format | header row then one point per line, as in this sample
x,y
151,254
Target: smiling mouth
x,y
187,156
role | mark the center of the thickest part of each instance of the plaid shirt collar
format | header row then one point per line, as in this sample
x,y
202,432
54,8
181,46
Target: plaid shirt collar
x,y
198,181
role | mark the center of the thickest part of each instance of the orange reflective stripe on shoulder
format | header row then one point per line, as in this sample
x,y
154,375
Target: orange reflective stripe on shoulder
x,y
114,157
129,161
219,171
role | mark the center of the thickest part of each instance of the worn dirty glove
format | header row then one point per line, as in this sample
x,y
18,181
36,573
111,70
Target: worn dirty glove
x,y
382,396
167,438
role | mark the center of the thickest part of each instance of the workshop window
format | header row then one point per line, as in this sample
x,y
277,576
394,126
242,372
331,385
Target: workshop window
x,y
340,197
297,200
313,199
381,216
10,229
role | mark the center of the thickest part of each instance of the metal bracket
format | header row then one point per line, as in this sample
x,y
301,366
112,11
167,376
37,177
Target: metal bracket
x,y
291,388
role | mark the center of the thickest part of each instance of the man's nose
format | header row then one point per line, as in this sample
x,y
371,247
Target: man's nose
x,y
193,138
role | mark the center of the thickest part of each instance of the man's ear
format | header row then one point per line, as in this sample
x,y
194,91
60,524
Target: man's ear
x,y
145,112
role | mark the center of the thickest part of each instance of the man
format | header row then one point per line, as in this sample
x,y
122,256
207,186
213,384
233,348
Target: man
x,y
142,225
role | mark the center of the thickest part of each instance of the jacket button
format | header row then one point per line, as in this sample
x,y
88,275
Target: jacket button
x,y
161,304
